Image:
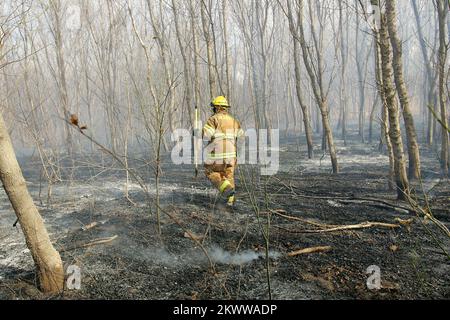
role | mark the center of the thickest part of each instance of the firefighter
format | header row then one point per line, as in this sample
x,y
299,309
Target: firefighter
x,y
222,132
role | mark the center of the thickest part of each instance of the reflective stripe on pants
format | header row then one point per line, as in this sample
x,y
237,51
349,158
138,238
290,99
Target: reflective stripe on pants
x,y
218,174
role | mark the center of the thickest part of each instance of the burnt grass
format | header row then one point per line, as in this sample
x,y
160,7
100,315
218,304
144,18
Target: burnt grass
x,y
139,264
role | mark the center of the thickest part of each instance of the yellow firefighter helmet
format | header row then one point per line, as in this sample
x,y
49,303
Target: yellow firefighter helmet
x,y
220,101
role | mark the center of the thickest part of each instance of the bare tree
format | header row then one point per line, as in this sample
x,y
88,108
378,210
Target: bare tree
x,y
359,51
401,177
413,146
344,51
56,13
384,108
442,9
193,31
293,28
205,11
186,66
226,48
161,39
431,75
317,82
47,260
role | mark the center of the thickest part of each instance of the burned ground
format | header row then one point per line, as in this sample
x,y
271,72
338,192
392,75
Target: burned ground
x,y
139,264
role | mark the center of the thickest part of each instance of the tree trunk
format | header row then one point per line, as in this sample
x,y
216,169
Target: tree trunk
x,y
442,7
401,177
397,63
186,68
161,40
47,260
225,45
431,76
372,117
298,85
303,106
384,113
193,30
62,82
342,82
361,80
209,50
317,85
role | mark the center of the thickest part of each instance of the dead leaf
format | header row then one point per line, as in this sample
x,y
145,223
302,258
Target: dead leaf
x,y
388,285
191,235
74,119
405,222
393,248
321,281
89,226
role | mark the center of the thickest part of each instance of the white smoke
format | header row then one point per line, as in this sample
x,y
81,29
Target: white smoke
x,y
221,256
193,256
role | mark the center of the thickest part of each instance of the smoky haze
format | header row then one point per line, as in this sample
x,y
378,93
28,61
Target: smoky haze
x,y
86,58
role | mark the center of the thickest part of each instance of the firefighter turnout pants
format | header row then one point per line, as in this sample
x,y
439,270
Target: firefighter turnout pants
x,y
221,175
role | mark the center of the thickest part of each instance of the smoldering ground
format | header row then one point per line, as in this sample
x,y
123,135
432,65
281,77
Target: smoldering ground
x,y
139,264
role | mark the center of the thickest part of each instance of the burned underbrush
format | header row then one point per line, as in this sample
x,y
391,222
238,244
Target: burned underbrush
x,y
346,222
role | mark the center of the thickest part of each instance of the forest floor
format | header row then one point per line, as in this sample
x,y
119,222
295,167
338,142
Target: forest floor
x,y
139,264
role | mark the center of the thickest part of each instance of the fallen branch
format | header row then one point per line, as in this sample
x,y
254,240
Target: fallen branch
x,y
309,250
406,223
317,224
363,225
93,243
340,198
378,203
89,226
189,234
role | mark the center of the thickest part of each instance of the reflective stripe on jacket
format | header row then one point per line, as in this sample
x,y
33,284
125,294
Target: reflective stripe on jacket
x,y
222,130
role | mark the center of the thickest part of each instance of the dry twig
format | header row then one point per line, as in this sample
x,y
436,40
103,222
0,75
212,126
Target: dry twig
x,y
317,224
363,225
92,243
309,250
